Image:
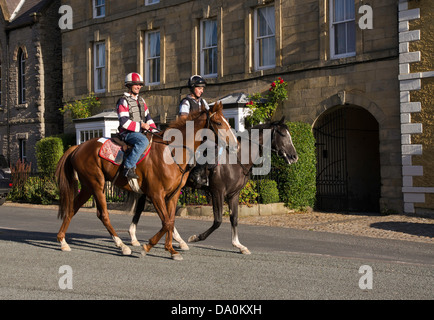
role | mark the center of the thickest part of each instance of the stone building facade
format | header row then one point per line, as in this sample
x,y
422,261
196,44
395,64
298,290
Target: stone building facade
x,y
416,75
31,76
341,60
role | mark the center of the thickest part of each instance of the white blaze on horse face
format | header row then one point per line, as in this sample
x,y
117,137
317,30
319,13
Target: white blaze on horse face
x,y
232,147
227,138
289,135
291,149
232,138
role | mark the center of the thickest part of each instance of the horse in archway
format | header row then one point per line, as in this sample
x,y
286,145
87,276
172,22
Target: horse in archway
x,y
159,180
229,179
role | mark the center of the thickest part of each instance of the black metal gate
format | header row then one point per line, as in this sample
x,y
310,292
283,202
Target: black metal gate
x,y
332,173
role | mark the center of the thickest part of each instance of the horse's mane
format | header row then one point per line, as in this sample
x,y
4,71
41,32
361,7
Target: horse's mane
x,y
181,121
262,126
268,125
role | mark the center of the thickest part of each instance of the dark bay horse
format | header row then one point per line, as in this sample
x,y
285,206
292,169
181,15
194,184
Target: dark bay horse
x,y
227,180
159,180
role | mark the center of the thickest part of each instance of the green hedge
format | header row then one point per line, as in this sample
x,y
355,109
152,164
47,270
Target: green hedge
x,y
268,192
48,152
297,182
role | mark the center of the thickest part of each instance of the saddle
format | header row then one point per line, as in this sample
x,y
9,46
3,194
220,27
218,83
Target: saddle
x,y
115,150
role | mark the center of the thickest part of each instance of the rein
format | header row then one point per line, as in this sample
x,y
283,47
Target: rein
x,y
184,171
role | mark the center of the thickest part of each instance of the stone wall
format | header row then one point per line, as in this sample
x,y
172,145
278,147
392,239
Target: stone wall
x,y
417,93
38,117
316,82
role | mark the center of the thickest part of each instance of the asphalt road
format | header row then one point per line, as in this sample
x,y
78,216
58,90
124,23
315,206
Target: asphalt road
x,y
285,264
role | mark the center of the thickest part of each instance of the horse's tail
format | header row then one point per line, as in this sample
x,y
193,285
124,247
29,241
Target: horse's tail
x,y
68,185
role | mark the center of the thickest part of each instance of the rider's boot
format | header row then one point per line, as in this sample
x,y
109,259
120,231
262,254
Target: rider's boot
x,y
130,173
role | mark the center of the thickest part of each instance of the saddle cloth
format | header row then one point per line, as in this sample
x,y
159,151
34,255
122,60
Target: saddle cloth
x,y
114,153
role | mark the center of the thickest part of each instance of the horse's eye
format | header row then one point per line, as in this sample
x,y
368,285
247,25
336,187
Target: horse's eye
x,y
218,123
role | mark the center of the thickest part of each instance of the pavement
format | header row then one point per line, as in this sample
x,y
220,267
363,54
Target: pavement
x,y
394,226
285,263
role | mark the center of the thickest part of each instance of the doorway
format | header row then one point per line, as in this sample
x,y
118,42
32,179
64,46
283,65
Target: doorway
x,y
348,160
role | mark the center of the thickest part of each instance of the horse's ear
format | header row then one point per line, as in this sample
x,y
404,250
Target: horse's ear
x,y
282,121
218,106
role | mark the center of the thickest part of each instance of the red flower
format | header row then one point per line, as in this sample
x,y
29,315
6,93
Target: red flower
x,y
273,84
281,81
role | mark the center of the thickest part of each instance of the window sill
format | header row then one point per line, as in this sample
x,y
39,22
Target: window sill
x,y
22,106
342,56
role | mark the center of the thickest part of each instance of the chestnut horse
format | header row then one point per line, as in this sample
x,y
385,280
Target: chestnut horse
x,y
159,180
228,179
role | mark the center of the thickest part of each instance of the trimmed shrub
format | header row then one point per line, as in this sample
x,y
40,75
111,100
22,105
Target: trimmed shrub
x,y
48,152
297,182
268,192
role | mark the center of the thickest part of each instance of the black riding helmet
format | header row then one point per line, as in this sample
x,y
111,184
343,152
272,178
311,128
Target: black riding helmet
x,y
196,81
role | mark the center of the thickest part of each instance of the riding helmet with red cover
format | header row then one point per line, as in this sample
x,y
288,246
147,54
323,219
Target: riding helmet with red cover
x,y
133,78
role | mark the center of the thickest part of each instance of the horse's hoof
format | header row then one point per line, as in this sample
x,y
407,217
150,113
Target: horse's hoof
x,y
245,251
65,248
135,243
145,250
126,251
193,238
184,247
177,257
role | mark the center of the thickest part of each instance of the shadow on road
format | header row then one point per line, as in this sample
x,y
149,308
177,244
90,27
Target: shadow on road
x,y
417,229
48,240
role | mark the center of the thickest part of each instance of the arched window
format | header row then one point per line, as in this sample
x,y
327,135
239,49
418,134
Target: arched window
x,y
21,77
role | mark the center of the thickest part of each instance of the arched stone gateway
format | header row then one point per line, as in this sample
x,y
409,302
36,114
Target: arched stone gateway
x,y
348,156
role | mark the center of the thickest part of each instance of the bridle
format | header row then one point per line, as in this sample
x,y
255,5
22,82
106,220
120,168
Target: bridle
x,y
188,168
274,129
